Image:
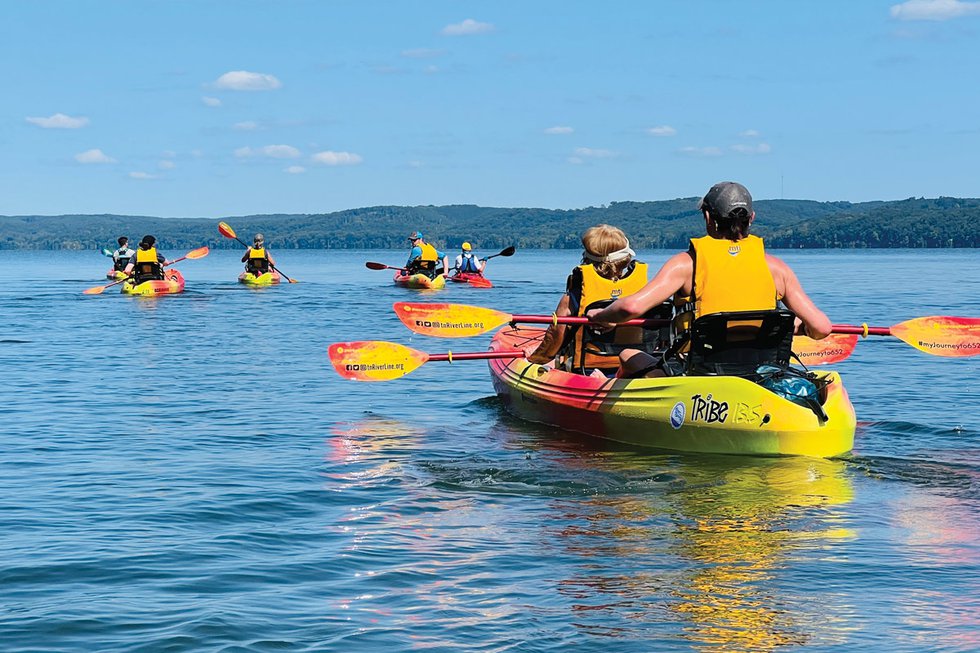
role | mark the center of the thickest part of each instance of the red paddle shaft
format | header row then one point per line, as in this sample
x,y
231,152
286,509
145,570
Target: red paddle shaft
x,y
861,330
478,355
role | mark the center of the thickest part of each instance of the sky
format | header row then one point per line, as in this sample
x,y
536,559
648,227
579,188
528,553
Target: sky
x,y
208,109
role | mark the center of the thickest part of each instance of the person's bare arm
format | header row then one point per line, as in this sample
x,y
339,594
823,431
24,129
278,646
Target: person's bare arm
x,y
671,278
816,324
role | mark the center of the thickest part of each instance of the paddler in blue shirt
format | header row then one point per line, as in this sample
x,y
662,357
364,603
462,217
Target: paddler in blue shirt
x,y
423,258
743,278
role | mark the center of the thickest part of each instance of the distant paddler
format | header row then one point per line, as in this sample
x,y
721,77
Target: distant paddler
x,y
146,263
257,259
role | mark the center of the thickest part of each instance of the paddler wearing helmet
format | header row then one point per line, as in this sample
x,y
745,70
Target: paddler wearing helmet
x,y
257,259
147,263
726,270
467,262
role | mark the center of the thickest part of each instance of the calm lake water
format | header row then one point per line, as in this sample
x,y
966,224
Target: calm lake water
x,y
188,473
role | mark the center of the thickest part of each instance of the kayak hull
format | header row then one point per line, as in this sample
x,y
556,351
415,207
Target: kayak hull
x,y
704,414
473,279
171,284
114,274
270,278
420,281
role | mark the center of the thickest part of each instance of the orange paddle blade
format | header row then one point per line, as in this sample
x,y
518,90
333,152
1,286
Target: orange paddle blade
x,y
832,349
952,337
94,291
226,230
449,320
374,360
200,252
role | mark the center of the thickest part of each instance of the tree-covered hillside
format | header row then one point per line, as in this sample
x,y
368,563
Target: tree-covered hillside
x,y
942,222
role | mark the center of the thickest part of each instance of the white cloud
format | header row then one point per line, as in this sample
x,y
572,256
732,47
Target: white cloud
x,y
295,170
166,164
559,129
934,9
142,175
337,158
750,133
593,153
246,125
416,164
271,151
94,155
422,53
58,121
662,130
575,161
468,26
242,80
761,148
700,151
432,70
211,101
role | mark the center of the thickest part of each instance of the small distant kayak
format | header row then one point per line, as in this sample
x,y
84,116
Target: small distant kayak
x,y
420,281
171,284
113,273
269,278
472,278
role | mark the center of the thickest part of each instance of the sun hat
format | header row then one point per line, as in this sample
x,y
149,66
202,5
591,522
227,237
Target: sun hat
x,y
415,235
467,247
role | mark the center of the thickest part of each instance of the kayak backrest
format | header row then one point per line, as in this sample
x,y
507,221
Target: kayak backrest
x,y
601,350
737,343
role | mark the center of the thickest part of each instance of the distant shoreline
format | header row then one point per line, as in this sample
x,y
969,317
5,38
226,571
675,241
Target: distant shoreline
x,y
914,223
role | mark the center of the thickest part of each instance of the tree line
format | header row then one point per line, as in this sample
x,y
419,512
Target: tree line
x,y
667,224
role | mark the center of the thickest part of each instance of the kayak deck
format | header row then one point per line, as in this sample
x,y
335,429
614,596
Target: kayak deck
x,y
420,281
269,278
171,284
701,414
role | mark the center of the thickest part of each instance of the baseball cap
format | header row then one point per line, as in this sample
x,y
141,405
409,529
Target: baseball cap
x,y
259,238
726,196
467,247
415,235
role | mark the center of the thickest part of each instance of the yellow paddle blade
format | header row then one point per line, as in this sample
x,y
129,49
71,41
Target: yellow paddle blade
x,y
200,252
94,291
952,337
832,349
449,320
225,230
374,360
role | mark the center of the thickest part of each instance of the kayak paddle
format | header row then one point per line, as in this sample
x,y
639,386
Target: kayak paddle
x,y
939,335
200,252
376,360
381,266
225,230
463,321
508,251
106,252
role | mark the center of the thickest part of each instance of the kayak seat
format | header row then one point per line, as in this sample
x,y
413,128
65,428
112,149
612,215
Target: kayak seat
x,y
595,346
418,266
738,343
257,266
147,271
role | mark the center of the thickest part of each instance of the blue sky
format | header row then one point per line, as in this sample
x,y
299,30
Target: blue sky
x,y
209,109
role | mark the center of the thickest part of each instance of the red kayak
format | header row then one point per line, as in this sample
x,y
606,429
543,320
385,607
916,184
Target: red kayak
x,y
473,278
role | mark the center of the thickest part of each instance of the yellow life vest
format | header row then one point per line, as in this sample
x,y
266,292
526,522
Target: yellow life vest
x,y
257,253
429,253
598,289
729,276
146,255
